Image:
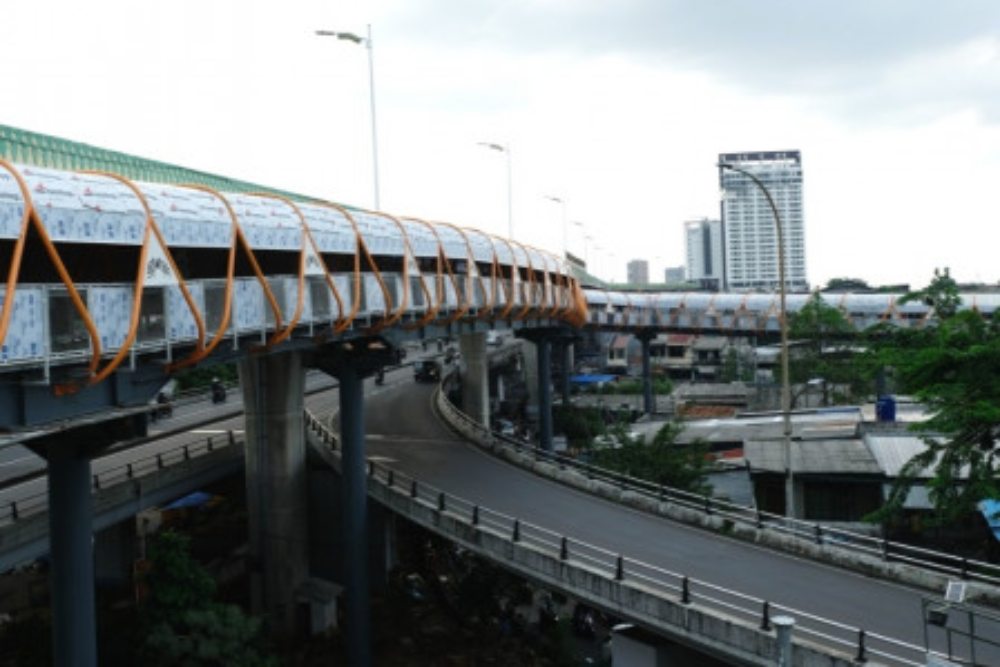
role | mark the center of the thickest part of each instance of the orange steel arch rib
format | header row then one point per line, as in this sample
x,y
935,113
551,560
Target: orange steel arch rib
x,y
404,302
359,249
526,308
486,313
509,289
29,218
433,302
472,264
307,240
461,308
18,254
377,327
239,240
151,231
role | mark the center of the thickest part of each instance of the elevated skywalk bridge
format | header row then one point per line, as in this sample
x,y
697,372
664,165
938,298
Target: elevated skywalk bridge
x,y
119,272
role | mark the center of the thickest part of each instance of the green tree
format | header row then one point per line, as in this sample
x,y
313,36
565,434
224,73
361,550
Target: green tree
x,y
661,461
736,366
184,625
824,350
846,285
952,366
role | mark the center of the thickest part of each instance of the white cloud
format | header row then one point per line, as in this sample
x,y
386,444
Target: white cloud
x,y
618,108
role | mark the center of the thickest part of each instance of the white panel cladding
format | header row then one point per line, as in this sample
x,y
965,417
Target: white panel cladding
x,y
503,251
482,247
374,303
418,299
538,262
248,304
331,229
453,242
290,289
26,337
520,256
180,321
450,294
268,224
188,217
85,208
345,287
490,296
380,233
110,308
11,206
320,306
423,242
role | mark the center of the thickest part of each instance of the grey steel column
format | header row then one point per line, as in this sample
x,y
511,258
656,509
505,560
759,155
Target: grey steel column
x,y
74,628
544,394
355,517
567,363
647,378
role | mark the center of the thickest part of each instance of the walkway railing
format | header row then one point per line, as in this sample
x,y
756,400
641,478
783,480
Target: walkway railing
x,y
840,638
884,550
136,469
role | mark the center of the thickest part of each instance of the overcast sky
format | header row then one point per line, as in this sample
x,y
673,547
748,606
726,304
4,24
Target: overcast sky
x,y
618,107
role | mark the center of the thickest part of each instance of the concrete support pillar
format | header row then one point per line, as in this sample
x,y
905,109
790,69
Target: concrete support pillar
x,y
648,404
276,480
74,628
114,554
475,379
544,349
355,517
567,364
529,350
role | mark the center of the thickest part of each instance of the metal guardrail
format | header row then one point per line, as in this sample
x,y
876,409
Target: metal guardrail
x,y
37,503
886,550
843,638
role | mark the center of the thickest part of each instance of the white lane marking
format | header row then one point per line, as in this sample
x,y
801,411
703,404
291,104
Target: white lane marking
x,y
382,459
212,431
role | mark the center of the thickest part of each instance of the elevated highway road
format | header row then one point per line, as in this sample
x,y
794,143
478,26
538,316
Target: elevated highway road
x,y
415,442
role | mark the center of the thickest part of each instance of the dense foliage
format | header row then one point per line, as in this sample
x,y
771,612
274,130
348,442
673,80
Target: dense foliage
x,y
825,350
661,387
661,461
183,624
952,366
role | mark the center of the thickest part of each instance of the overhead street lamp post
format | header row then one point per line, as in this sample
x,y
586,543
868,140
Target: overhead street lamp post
x,y
505,149
367,42
786,392
565,232
583,236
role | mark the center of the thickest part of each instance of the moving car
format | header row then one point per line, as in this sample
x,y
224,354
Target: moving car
x,y
427,370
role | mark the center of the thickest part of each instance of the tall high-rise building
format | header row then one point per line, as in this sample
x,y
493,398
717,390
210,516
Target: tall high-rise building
x,y
749,232
703,241
638,272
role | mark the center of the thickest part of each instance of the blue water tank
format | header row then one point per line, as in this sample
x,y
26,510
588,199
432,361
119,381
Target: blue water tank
x,y
885,409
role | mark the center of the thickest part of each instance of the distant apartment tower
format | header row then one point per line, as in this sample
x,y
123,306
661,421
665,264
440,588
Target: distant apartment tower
x,y
749,233
673,275
703,241
638,272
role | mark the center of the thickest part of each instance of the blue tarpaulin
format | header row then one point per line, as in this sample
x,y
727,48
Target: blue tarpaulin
x,y
591,379
196,499
991,510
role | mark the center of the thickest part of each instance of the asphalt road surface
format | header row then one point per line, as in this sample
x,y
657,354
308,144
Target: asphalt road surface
x,y
417,443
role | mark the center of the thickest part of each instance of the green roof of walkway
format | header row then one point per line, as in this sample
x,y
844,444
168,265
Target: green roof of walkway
x,y
43,150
